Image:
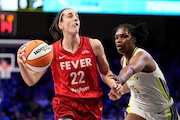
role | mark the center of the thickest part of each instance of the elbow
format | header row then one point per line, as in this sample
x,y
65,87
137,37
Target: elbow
x,y
31,81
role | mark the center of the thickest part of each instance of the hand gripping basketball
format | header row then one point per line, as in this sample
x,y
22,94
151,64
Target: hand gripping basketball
x,y
37,55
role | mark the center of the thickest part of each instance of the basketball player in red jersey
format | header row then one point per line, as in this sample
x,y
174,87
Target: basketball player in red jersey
x,y
75,66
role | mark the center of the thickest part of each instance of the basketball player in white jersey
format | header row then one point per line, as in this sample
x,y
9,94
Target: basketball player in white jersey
x,y
141,76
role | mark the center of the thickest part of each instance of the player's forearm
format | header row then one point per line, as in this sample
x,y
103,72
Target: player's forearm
x,y
27,75
125,74
108,80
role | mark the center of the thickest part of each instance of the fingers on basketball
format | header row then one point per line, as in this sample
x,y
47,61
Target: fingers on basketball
x,y
37,55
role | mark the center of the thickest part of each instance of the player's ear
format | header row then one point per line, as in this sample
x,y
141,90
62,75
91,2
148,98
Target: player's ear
x,y
134,40
60,25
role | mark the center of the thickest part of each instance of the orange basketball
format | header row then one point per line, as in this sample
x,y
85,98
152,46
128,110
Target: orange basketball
x,y
37,55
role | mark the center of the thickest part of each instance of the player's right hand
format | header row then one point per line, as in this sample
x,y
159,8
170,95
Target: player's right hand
x,y
20,54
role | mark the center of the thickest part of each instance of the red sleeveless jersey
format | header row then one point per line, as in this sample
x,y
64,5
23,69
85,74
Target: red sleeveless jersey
x,y
75,74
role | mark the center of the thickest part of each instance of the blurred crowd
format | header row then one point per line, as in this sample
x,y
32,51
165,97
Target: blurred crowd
x,y
20,102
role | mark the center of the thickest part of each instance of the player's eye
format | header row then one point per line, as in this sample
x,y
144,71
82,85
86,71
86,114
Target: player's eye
x,y
124,36
121,36
77,16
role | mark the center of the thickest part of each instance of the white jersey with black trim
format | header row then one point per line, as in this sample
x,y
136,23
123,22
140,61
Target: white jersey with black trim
x,y
149,91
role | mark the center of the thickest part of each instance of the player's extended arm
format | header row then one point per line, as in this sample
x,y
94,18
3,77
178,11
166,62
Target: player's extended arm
x,y
141,61
102,62
28,76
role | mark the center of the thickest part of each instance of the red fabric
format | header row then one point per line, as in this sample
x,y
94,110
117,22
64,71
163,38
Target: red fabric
x,y
79,109
75,74
76,82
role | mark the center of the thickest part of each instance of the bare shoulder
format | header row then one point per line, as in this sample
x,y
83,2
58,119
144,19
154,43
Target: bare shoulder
x,y
95,43
96,46
144,53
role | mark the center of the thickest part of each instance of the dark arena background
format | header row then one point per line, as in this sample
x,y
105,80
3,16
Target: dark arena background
x,y
27,21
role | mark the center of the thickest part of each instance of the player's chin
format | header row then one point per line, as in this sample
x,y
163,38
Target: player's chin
x,y
120,51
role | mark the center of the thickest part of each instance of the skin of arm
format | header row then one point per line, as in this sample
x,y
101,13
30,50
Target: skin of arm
x,y
140,62
29,77
102,62
117,92
125,89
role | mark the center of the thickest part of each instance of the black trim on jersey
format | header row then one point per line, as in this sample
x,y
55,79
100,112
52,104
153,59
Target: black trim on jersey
x,y
164,85
174,113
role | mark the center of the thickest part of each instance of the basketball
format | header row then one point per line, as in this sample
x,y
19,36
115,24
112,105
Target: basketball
x,y
37,55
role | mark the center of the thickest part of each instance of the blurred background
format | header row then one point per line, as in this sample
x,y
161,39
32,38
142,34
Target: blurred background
x,y
23,20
